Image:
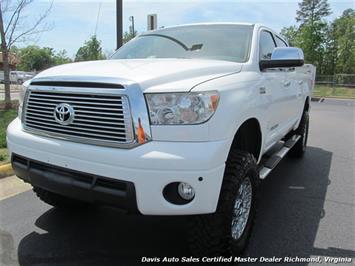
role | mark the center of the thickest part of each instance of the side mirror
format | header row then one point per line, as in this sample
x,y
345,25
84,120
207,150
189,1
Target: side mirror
x,y
284,57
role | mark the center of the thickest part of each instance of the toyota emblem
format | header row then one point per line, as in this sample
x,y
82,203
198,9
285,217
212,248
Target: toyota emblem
x,y
64,114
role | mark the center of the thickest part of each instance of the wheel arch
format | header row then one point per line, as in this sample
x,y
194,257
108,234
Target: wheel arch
x,y
249,137
306,104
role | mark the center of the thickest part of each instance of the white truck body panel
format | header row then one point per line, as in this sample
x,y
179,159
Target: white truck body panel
x,y
152,75
179,153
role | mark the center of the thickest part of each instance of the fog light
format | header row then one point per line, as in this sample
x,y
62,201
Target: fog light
x,y
186,191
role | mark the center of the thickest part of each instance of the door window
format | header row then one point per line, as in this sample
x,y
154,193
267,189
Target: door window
x,y
280,42
267,45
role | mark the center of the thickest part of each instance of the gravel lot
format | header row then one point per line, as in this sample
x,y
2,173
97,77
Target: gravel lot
x,y
307,209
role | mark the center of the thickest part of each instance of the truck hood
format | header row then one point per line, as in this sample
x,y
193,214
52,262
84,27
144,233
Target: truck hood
x,y
152,75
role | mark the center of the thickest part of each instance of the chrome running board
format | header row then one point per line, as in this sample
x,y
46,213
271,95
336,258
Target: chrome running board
x,y
273,160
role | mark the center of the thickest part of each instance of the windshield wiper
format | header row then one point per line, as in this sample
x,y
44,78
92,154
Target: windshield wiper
x,y
193,47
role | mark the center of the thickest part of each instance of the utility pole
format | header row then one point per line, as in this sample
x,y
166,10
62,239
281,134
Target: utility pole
x,y
119,30
152,22
131,19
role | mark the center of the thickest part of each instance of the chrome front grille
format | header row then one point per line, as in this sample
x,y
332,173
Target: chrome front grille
x,y
101,119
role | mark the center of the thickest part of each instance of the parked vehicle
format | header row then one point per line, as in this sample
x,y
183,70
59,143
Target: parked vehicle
x,y
2,78
17,77
185,120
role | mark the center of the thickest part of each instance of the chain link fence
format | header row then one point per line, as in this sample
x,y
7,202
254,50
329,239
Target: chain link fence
x,y
338,80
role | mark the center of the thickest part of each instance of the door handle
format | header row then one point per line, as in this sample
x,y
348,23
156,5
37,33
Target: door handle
x,y
300,82
287,83
262,90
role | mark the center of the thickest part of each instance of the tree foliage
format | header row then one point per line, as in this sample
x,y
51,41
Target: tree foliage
x,y
311,11
290,34
343,37
35,58
61,57
91,50
313,29
127,36
16,27
329,46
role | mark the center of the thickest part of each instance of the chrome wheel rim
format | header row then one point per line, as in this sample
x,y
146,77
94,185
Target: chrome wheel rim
x,y
242,208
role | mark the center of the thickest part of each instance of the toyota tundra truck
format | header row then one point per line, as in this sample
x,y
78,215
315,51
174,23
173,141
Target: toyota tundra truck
x,y
184,120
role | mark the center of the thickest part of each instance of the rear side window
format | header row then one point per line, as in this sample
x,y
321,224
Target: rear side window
x,y
267,45
280,42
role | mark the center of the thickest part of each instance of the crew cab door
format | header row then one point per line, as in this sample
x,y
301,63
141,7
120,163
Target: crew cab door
x,y
273,83
292,92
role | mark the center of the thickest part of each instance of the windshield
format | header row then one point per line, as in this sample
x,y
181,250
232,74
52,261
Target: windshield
x,y
219,42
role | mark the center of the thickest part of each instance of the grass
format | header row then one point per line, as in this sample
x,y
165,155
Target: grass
x,y
4,157
6,116
335,92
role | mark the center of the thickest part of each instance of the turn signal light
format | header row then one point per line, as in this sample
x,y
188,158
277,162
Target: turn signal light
x,y
140,132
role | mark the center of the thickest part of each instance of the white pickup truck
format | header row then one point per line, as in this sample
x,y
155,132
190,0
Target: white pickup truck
x,y
183,120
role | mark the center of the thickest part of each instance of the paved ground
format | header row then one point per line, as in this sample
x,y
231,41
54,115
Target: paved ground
x,y
12,186
14,95
307,209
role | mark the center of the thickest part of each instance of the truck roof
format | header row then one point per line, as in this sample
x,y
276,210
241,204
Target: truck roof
x,y
209,23
257,25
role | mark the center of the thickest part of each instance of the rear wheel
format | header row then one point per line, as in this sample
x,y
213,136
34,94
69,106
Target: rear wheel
x,y
299,148
226,232
57,200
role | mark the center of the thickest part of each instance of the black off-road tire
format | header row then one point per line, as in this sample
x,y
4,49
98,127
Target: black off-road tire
x,y
57,200
211,235
298,150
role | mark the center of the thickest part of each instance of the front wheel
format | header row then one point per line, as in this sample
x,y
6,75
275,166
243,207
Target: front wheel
x,y
226,232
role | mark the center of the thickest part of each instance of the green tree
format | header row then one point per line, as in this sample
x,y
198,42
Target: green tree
x,y
313,30
331,51
290,34
127,36
61,57
311,11
90,51
34,58
311,33
312,40
343,36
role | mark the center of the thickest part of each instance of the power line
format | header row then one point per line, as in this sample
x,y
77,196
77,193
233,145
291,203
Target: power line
x,y
98,17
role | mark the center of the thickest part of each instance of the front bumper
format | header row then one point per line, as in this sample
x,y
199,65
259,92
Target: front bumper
x,y
82,186
149,167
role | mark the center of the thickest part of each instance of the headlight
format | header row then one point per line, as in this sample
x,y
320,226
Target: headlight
x,y
181,108
21,98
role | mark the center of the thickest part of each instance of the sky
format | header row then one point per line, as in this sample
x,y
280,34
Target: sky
x,y
71,22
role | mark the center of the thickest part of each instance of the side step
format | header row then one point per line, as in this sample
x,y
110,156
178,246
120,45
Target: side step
x,y
274,159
